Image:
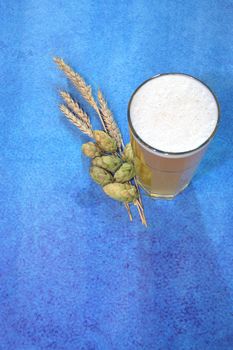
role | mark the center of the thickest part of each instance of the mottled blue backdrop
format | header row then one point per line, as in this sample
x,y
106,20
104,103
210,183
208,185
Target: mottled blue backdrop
x,y
74,273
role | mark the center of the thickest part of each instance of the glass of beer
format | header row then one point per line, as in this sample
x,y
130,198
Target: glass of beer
x,y
172,119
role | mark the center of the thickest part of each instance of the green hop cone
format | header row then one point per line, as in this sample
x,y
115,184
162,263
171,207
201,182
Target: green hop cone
x,y
128,153
110,163
101,176
104,141
91,150
121,192
125,173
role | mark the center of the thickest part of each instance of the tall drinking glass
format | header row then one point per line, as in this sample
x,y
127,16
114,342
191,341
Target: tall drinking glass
x,y
171,122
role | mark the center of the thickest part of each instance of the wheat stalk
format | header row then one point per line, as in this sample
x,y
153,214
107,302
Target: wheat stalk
x,y
83,123
74,106
78,82
127,206
109,121
140,208
77,122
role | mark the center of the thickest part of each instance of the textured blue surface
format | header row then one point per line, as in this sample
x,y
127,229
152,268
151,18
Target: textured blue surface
x,y
74,274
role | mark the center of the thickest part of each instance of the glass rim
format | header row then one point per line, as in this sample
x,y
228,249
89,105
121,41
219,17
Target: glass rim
x,y
156,150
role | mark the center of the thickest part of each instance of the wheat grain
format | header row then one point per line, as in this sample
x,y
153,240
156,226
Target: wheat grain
x,y
77,122
74,106
78,82
109,121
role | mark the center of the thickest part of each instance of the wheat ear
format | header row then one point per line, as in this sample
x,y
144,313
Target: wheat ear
x,y
109,121
74,106
78,82
77,122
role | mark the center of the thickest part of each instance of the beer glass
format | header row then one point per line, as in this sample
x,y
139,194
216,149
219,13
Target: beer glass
x,y
165,174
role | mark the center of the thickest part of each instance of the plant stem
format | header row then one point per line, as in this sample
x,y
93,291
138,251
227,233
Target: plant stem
x,y
129,211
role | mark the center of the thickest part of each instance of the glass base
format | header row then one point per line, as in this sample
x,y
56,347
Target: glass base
x,y
162,196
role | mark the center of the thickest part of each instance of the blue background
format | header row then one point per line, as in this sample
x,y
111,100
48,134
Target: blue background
x,y
74,273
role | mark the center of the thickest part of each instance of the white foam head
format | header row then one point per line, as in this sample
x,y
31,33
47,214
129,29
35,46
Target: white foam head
x,y
174,113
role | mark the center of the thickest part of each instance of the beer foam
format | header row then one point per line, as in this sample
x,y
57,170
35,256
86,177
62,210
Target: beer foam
x,y
174,113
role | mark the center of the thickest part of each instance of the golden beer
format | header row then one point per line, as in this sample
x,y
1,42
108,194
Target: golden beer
x,y
162,173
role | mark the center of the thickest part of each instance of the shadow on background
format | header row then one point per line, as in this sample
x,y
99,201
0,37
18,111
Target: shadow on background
x,y
184,302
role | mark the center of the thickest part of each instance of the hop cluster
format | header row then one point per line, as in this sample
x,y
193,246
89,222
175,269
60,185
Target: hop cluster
x,y
104,141
109,170
100,176
110,162
128,153
125,173
91,150
121,192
